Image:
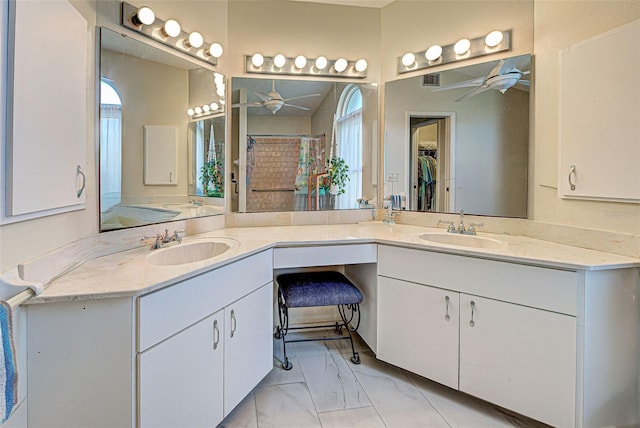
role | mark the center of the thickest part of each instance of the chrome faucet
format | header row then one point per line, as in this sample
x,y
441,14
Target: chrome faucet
x,y
461,228
160,239
389,216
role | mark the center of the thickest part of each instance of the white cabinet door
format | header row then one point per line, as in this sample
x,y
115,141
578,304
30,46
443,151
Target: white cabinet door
x,y
47,108
600,122
248,346
418,329
181,379
520,358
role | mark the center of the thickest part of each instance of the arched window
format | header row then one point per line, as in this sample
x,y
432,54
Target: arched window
x,y
349,143
110,145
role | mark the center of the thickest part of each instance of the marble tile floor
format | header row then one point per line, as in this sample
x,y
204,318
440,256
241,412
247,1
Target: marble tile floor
x,y
324,389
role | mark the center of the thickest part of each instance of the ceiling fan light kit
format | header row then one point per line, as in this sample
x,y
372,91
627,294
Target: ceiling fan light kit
x,y
494,42
302,65
144,21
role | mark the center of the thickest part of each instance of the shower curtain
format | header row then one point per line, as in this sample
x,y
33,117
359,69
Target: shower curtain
x,y
311,161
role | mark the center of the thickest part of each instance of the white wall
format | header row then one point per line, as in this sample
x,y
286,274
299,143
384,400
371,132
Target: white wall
x,y
559,24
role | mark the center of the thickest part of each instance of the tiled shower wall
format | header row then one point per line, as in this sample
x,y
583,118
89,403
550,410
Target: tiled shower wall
x,y
273,175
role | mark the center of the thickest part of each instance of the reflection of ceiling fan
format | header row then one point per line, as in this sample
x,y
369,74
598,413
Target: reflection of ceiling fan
x,y
274,101
502,77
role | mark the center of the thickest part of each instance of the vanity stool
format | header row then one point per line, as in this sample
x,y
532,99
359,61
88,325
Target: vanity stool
x,y
307,289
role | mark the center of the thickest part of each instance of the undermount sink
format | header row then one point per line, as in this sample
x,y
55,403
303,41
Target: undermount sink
x,y
190,252
463,240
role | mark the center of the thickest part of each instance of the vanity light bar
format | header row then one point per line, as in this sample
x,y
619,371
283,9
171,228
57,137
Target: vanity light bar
x,y
461,50
142,20
302,66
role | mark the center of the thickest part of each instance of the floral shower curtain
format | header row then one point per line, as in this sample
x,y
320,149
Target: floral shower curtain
x,y
311,161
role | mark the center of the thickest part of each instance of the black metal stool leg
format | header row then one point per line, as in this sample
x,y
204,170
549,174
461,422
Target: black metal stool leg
x,y
281,331
355,308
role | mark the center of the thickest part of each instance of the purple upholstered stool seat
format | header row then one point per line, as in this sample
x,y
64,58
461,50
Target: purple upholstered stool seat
x,y
306,289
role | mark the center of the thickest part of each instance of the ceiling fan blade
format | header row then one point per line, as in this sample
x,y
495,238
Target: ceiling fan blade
x,y
263,96
295,106
254,104
508,65
476,91
524,82
464,84
302,96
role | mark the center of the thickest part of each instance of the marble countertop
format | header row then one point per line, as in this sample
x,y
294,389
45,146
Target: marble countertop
x,y
128,273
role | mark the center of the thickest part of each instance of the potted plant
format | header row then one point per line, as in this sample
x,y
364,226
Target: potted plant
x,y
337,174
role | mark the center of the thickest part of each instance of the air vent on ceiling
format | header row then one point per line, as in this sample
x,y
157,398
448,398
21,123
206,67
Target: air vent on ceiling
x,y
431,79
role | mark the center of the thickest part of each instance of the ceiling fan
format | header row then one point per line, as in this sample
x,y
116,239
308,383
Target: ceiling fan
x,y
274,101
502,77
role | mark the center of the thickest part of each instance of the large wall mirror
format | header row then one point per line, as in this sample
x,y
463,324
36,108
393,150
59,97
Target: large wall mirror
x,y
161,135
459,139
302,145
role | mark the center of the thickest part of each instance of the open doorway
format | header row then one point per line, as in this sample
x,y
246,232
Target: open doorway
x,y
430,163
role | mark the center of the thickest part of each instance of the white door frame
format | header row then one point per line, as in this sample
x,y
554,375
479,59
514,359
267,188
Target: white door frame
x,y
448,179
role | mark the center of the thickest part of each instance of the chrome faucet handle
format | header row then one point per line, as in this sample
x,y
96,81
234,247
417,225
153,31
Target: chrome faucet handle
x,y
177,236
461,225
472,227
451,228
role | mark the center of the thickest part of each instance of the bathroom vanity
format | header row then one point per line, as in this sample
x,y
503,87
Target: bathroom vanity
x,y
546,330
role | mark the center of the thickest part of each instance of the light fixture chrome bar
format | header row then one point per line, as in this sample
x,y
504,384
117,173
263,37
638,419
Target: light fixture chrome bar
x,y
155,31
477,48
289,68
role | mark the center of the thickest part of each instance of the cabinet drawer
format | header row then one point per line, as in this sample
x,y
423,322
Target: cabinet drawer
x,y
167,311
324,255
550,289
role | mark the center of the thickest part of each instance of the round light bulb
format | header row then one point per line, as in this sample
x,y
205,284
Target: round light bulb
x,y
408,59
361,65
214,106
300,61
206,108
144,16
321,63
218,78
433,53
279,60
340,65
257,60
493,39
198,110
220,91
195,40
462,46
215,50
172,28
191,112
221,102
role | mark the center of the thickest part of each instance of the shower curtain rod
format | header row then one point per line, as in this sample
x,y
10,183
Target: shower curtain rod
x,y
286,135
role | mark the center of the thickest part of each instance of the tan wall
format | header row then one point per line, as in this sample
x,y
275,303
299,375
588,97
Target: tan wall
x,y
166,90
295,28
412,26
559,24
